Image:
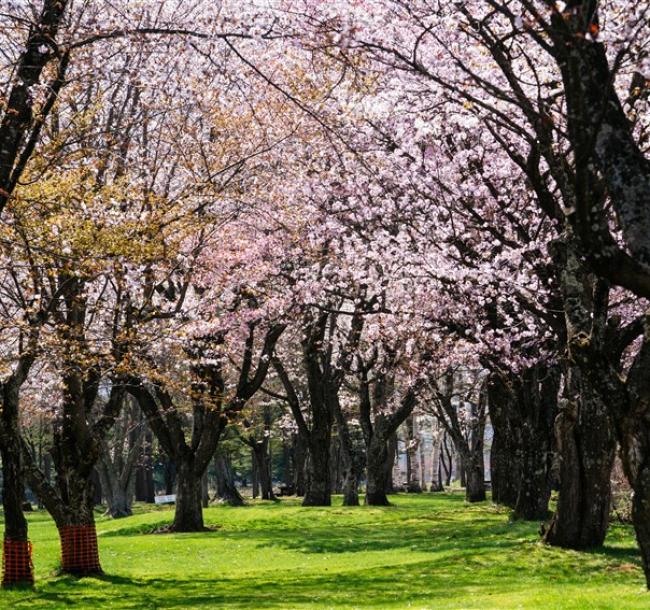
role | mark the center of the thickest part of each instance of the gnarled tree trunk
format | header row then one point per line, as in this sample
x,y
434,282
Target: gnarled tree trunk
x,y
586,446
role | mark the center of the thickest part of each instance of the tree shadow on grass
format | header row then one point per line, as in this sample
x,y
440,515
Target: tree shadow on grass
x,y
435,582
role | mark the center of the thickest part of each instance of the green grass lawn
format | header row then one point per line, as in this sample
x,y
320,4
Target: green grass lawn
x,y
428,551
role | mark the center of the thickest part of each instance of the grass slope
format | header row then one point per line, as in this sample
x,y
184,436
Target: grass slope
x,y
428,551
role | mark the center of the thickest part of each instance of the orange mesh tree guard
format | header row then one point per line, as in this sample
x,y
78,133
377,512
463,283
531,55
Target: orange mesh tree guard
x,y
17,566
79,552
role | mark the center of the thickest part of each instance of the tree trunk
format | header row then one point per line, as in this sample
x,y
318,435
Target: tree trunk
x,y
170,475
17,567
412,442
536,400
299,456
255,475
319,485
641,517
336,475
263,469
288,474
449,463
504,455
535,488
460,468
117,496
144,488
120,504
389,463
586,446
205,492
188,516
319,488
475,485
377,457
423,467
351,475
226,488
75,521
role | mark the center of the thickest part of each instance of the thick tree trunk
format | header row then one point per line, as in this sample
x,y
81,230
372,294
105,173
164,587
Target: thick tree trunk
x,y
118,496
475,484
263,469
226,488
75,521
535,486
319,486
377,457
17,567
120,503
188,516
586,447
504,470
504,456
349,462
350,486
535,397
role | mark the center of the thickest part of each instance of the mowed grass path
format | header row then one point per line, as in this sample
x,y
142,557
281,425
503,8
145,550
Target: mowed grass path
x,y
428,551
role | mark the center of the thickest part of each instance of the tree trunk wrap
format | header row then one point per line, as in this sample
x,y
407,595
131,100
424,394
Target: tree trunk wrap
x,y
17,566
79,550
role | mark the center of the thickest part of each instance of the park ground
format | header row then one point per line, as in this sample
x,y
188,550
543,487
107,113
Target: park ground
x,y
425,551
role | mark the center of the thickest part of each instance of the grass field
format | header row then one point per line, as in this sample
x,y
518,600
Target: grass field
x,y
428,551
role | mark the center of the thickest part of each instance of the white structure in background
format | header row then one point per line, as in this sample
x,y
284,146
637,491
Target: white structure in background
x,y
170,499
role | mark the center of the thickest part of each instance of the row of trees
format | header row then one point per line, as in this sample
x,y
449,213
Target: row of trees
x,y
338,208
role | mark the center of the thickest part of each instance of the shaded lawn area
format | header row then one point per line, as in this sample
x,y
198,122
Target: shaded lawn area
x,y
426,551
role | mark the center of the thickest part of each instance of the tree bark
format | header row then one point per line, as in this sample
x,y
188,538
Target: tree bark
x,y
537,400
205,491
377,457
412,442
263,469
188,514
18,569
389,464
348,458
504,455
475,483
300,457
255,476
586,447
318,483
226,488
